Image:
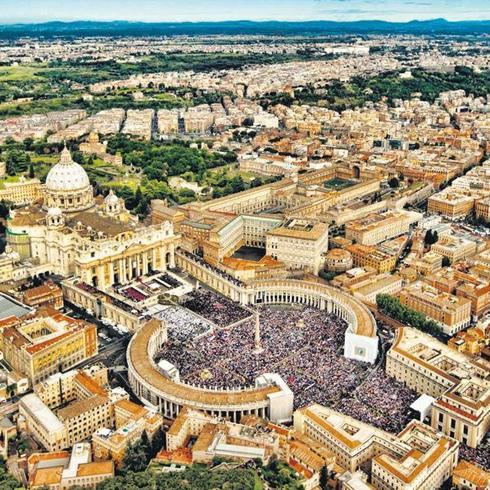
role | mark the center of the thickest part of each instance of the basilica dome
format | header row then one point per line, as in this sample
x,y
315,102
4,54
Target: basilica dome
x,y
68,186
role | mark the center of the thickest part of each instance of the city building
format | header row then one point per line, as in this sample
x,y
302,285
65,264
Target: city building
x,y
45,342
418,457
62,470
131,420
48,294
22,192
300,244
377,228
457,382
468,476
452,313
219,438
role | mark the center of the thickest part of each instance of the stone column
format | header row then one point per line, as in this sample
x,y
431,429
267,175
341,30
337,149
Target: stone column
x,y
172,256
122,271
100,277
154,258
111,273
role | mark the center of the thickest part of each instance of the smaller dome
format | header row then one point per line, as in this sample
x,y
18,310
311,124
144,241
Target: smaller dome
x,y
338,260
338,254
111,198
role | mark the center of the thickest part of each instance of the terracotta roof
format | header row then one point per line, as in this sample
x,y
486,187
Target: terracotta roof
x,y
136,411
76,408
90,384
36,457
205,437
351,443
387,462
94,469
47,476
40,291
243,264
472,473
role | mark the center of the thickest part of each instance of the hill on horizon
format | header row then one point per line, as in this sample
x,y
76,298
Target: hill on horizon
x,y
82,28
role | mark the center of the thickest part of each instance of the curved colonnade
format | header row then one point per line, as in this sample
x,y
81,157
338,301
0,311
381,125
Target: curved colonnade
x,y
271,397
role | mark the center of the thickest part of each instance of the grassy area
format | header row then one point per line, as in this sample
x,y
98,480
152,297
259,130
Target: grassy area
x,y
50,159
131,181
338,184
21,73
8,179
230,171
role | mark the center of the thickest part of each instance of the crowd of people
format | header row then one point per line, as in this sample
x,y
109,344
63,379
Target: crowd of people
x,y
380,401
182,325
305,347
480,456
219,310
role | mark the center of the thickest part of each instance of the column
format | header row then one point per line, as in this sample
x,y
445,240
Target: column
x,y
111,273
100,277
122,271
172,256
154,258
163,253
129,268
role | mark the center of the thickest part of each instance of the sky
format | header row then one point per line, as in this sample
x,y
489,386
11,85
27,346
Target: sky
x,y
216,10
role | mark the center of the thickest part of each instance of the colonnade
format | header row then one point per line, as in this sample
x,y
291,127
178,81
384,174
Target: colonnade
x,y
169,405
123,269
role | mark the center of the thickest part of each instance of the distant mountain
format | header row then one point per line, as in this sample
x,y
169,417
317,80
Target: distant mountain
x,y
319,27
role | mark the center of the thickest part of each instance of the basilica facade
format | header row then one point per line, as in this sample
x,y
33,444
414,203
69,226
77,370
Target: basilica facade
x,y
95,239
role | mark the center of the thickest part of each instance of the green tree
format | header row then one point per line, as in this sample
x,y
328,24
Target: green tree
x,y
324,478
7,482
394,183
446,262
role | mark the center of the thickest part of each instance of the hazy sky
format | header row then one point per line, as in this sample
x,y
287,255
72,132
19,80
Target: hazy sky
x,y
195,10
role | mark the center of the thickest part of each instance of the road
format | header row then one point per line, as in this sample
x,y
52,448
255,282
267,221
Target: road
x,y
109,353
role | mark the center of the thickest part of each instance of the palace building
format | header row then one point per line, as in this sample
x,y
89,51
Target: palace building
x,y
418,457
46,342
458,382
97,240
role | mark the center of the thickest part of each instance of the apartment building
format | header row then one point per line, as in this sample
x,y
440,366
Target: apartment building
x,y
131,420
86,408
48,294
376,228
418,457
463,284
451,204
458,383
300,244
454,247
370,256
25,191
46,342
482,209
61,470
218,438
452,313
